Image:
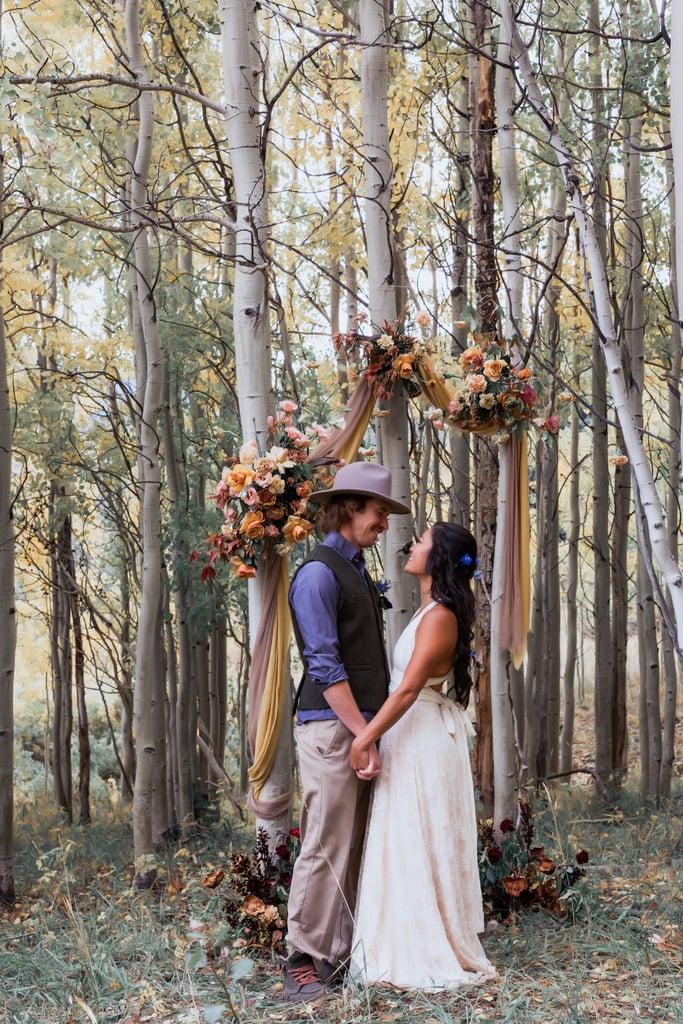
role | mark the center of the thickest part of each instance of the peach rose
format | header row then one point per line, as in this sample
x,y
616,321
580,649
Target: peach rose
x,y
252,526
423,319
263,466
525,373
476,384
248,452
493,368
297,529
288,406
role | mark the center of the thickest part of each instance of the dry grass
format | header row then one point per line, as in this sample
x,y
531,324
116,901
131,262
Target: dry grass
x,y
83,946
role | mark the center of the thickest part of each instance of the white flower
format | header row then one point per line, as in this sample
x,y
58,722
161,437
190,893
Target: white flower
x,y
280,456
385,341
432,413
248,452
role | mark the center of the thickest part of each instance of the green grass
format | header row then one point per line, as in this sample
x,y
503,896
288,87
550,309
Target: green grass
x,y
83,945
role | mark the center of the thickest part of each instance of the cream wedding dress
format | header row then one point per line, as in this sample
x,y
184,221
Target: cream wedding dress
x,y
419,909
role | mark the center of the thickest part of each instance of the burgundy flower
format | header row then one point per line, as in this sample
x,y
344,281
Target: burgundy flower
x,y
494,853
582,857
282,851
507,825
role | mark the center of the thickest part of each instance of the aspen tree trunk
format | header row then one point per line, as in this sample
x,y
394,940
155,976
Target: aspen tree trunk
x,y
548,499
604,696
150,810
482,127
634,329
609,345
573,535
60,656
8,613
505,770
672,504
242,78
460,507
382,288
182,735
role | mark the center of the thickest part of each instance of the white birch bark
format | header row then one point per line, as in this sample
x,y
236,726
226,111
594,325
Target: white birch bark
x,y
676,95
609,345
8,615
504,754
393,431
150,812
242,74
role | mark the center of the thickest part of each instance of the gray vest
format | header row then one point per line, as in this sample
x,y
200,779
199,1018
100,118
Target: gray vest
x,y
361,638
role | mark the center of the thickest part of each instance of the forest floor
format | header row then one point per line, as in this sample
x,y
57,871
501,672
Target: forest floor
x,y
83,945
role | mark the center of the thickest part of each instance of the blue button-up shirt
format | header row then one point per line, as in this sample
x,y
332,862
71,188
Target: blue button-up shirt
x,y
314,597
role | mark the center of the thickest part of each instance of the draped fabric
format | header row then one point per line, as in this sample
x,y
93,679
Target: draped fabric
x,y
268,686
344,442
268,677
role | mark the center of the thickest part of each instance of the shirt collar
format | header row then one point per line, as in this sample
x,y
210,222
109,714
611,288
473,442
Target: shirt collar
x,y
345,548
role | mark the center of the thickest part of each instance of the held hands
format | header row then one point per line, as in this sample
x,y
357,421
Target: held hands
x,y
364,760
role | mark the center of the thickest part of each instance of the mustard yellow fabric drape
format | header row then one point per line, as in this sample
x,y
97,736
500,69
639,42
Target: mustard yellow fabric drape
x,y
270,653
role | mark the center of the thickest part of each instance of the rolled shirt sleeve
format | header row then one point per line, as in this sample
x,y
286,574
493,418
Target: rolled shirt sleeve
x,y
314,598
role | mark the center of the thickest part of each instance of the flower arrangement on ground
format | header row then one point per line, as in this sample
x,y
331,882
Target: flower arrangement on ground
x,y
392,355
264,496
259,891
516,875
494,394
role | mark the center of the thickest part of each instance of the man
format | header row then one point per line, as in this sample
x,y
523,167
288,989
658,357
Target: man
x,y
338,627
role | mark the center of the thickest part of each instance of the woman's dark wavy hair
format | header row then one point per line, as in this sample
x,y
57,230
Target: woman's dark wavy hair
x,y
451,563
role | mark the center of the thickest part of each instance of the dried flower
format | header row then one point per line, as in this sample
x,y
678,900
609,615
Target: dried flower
x,y
264,497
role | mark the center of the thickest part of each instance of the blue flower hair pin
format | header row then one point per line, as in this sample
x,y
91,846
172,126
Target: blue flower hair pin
x,y
467,560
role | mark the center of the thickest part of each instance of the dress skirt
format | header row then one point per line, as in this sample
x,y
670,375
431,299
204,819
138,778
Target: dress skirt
x,y
419,911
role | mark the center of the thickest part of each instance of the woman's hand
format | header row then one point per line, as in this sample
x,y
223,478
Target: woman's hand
x,y
364,759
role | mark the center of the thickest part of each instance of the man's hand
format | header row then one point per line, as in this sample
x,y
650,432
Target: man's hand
x,y
365,760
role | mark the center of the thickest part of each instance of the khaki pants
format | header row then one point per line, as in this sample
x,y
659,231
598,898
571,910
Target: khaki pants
x,y
334,808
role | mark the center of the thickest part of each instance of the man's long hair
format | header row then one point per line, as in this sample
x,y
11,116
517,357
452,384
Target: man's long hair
x,y
339,511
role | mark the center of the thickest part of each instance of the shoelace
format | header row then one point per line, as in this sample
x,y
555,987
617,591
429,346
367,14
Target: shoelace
x,y
304,975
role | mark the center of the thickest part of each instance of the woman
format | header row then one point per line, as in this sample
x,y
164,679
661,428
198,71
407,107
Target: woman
x,y
419,909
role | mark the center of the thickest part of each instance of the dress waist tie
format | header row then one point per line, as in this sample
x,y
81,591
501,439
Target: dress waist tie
x,y
454,717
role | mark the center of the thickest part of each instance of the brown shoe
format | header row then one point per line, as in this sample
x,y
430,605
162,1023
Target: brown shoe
x,y
302,984
333,975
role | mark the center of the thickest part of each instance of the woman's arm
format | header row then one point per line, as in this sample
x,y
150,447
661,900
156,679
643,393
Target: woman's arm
x,y
435,641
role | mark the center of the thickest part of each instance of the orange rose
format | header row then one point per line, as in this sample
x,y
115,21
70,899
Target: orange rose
x,y
493,368
241,570
472,358
252,526
296,529
239,477
525,373
304,489
404,365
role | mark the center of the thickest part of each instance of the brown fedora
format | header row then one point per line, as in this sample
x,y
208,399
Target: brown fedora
x,y
366,479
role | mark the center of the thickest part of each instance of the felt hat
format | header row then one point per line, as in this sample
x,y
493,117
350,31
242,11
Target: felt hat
x,y
366,479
